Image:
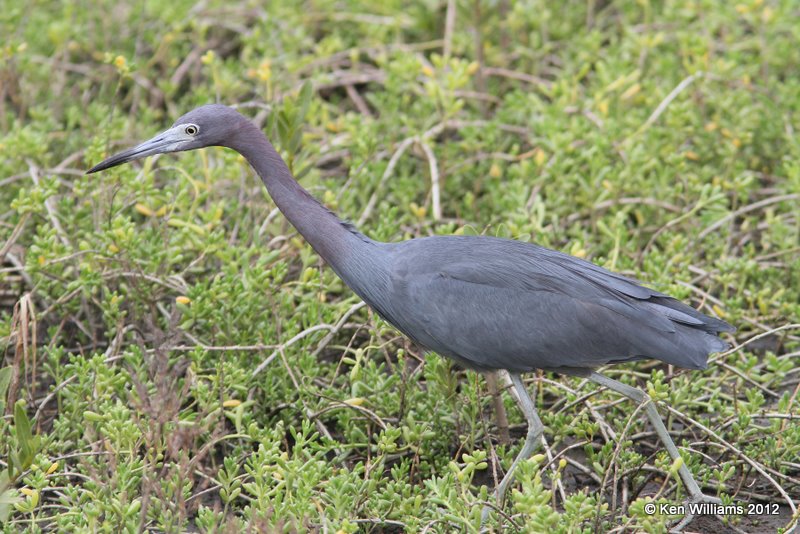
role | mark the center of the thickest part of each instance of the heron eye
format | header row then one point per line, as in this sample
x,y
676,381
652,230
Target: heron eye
x,y
191,129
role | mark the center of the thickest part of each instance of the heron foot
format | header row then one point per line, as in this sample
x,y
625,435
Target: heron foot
x,y
690,506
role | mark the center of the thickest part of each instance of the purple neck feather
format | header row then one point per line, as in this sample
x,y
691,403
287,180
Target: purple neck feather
x,y
334,240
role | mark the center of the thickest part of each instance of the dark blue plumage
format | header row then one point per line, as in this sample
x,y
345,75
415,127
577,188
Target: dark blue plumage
x,y
495,303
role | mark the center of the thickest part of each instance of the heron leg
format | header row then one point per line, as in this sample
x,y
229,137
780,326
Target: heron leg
x,y
535,430
637,395
499,410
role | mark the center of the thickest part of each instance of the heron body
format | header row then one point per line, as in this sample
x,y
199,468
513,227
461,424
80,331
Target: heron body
x,y
495,303
487,303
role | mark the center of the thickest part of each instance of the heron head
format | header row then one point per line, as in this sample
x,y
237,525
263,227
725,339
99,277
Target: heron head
x,y
205,126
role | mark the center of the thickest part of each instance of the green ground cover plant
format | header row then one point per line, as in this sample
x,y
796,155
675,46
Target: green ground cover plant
x,y
175,358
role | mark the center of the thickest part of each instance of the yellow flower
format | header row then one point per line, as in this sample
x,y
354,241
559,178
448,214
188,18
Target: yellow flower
x,y
631,91
208,57
144,210
264,71
540,158
418,211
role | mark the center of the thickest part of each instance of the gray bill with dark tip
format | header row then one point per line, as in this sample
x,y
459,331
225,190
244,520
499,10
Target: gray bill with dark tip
x,y
163,142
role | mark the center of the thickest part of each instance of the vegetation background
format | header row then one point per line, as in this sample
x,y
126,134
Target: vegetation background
x,y
655,138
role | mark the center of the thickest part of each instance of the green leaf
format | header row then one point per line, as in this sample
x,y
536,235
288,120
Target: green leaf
x,y
22,423
304,99
8,498
5,380
27,443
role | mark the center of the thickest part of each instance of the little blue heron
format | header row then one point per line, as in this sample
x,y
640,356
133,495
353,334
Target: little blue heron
x,y
488,303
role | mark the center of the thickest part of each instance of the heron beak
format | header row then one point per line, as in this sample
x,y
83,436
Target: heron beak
x,y
167,141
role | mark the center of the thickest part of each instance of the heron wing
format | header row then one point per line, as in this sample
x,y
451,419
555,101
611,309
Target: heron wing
x,y
505,263
498,303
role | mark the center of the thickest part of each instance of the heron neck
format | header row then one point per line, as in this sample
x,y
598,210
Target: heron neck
x,y
328,235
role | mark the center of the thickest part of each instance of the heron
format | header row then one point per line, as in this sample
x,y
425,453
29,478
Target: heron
x,y
488,303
